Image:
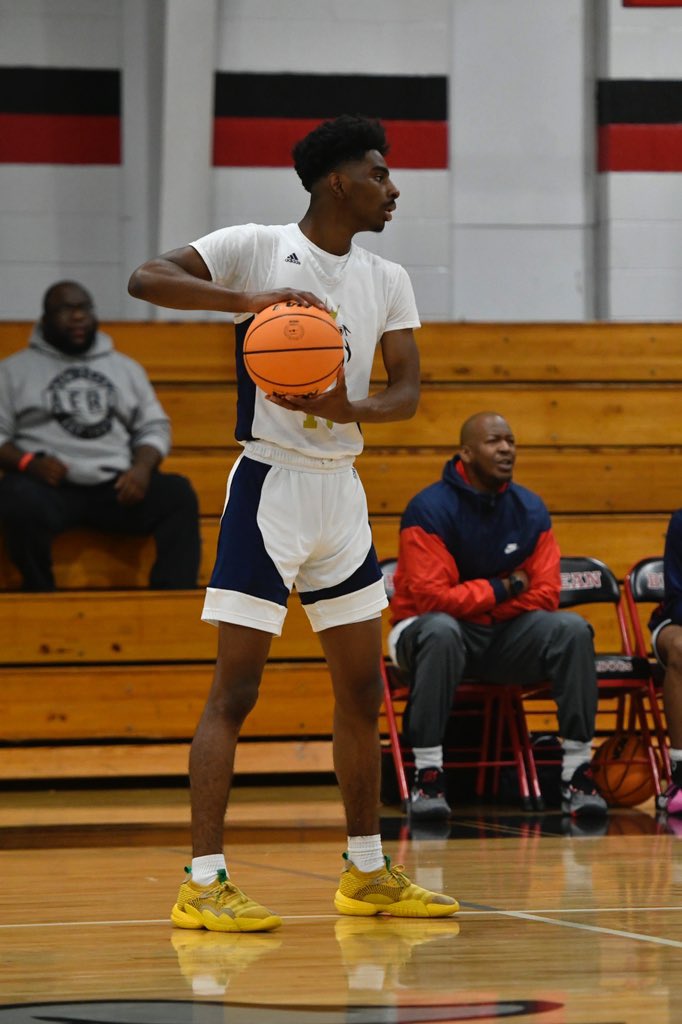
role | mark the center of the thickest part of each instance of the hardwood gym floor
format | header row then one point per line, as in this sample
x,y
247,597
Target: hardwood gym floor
x,y
559,925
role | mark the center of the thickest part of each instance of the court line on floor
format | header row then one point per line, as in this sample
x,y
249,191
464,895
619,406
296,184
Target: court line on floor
x,y
563,910
479,911
578,926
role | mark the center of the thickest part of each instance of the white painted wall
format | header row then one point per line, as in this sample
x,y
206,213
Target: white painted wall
x,y
507,233
59,221
640,234
523,129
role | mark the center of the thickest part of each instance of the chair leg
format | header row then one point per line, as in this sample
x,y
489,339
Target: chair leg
x,y
484,757
513,726
639,709
527,748
660,732
499,737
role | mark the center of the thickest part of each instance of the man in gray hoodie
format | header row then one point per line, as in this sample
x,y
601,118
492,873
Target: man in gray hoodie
x,y
82,435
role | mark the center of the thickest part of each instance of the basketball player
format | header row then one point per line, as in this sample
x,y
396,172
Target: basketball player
x,y
296,512
666,639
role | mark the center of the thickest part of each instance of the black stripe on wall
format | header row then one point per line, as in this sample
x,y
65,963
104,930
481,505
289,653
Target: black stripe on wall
x,y
393,97
639,101
29,90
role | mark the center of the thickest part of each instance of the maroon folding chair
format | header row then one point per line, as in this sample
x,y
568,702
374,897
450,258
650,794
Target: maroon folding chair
x,y
504,739
623,677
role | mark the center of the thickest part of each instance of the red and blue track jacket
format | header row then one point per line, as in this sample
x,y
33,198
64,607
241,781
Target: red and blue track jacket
x,y
458,544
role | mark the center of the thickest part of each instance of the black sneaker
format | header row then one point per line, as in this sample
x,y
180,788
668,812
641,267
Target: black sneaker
x,y
580,796
427,799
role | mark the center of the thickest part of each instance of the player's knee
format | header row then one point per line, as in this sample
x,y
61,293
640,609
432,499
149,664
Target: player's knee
x,y
440,628
573,630
233,700
361,699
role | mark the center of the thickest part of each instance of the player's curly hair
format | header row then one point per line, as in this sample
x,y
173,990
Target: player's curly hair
x,y
332,143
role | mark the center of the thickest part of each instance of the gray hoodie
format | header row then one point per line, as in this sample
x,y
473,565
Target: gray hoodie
x,y
90,411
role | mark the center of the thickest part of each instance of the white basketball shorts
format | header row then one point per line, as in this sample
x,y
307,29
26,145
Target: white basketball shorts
x,y
292,521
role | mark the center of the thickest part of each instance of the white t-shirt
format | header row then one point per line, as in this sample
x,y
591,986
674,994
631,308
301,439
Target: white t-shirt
x,y
369,294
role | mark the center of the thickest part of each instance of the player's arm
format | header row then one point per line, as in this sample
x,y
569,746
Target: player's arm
x,y
397,401
180,279
400,398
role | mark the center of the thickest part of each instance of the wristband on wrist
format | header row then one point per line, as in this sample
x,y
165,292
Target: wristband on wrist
x,y
25,460
515,585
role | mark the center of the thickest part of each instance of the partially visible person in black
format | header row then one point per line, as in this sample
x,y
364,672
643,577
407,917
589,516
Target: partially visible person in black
x,y
666,639
82,435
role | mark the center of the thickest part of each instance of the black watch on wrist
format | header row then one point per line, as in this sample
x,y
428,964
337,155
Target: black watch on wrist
x,y
515,585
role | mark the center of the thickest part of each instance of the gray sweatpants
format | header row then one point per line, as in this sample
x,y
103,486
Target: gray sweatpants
x,y
437,652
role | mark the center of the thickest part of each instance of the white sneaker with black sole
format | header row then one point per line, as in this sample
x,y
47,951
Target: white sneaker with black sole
x,y
580,797
427,799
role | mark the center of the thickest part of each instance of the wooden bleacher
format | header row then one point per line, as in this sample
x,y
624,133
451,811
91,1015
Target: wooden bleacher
x,y
106,678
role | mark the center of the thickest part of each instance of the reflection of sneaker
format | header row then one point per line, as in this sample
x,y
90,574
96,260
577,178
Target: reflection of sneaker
x,y
671,800
427,799
671,824
220,907
427,829
371,949
389,891
580,827
579,796
209,961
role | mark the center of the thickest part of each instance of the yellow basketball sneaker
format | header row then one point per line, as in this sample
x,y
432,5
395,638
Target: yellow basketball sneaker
x,y
388,891
220,907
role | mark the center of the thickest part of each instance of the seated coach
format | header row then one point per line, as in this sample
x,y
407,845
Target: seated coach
x,y
476,595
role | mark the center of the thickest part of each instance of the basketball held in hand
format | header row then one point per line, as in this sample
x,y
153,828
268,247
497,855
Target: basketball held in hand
x,y
293,350
622,772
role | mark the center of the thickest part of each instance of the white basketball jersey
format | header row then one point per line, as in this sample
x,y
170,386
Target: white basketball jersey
x,y
368,295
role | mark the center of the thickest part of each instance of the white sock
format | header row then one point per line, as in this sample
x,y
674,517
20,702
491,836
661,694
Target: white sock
x,y
205,869
428,757
575,753
365,852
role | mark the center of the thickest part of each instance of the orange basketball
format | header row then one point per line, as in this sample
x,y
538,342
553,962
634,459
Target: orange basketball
x,y
622,772
293,350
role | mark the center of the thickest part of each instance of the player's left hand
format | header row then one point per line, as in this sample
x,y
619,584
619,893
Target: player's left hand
x,y
331,405
132,485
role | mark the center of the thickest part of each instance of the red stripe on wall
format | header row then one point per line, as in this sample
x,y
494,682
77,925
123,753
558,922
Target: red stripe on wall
x,y
267,142
59,139
640,147
652,3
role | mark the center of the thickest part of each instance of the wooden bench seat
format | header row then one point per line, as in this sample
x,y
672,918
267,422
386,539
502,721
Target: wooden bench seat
x,y
85,559
505,352
142,702
114,761
126,626
150,627
570,480
566,415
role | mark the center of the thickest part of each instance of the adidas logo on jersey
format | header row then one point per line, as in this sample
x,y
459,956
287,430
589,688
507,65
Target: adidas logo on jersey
x,y
293,258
